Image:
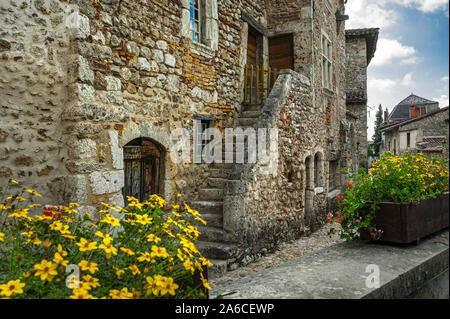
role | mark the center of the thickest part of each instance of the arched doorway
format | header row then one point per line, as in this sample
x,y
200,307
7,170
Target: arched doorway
x,y
144,168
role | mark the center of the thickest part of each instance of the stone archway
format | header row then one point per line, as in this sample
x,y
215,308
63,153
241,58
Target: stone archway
x,y
144,168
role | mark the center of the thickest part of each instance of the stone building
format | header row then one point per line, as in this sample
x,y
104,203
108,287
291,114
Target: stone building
x,y
360,49
426,133
92,90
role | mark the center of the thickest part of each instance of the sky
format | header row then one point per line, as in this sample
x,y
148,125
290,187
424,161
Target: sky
x,y
412,50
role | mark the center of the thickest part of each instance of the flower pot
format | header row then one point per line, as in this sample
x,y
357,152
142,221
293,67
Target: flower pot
x,y
405,223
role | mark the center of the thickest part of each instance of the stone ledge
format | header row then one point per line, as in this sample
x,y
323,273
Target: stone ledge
x,y
339,272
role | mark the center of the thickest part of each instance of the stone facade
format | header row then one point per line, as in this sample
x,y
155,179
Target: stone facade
x,y
82,80
360,49
427,134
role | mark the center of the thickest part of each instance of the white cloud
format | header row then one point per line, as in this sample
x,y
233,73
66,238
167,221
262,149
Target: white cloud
x,y
381,85
422,5
390,50
381,14
443,100
407,80
369,13
445,78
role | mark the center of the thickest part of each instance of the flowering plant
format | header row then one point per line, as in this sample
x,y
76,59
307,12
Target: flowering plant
x,y
144,251
392,178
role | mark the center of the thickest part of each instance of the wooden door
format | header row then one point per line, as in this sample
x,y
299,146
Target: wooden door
x,y
281,52
142,170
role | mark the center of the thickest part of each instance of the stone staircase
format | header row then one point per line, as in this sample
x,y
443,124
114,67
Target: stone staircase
x,y
210,205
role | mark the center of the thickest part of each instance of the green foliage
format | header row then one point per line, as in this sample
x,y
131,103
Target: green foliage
x,y
391,179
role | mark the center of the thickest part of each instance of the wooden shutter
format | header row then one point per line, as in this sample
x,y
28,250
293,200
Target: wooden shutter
x,y
281,51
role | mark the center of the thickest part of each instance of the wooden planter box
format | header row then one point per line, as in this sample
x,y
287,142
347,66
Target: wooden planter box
x,y
407,222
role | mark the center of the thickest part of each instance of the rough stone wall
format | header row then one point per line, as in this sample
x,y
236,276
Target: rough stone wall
x,y
34,45
262,210
356,88
129,72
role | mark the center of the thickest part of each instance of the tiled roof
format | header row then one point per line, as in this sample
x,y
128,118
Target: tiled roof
x,y
401,110
432,143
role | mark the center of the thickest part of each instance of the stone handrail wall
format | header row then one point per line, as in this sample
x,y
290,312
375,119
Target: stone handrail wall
x,y
260,209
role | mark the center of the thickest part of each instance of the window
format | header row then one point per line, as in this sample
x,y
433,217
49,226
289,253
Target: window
x,y
332,175
395,147
201,140
318,170
196,20
326,62
408,140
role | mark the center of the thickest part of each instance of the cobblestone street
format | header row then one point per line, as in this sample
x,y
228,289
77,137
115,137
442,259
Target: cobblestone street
x,y
286,252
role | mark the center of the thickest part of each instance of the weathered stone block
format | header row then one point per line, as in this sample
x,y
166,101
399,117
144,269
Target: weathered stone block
x,y
75,190
116,151
82,149
106,182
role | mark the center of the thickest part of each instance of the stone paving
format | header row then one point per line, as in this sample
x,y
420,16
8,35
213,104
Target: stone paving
x,y
286,252
342,271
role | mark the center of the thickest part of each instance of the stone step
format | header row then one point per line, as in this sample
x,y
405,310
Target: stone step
x,y
210,233
247,121
252,108
214,194
219,173
212,182
212,220
223,165
251,114
208,207
218,268
214,250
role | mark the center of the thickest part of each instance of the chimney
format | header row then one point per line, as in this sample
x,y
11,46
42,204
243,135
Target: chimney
x,y
386,116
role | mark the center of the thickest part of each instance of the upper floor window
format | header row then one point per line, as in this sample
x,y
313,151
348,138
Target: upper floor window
x,y
326,62
196,19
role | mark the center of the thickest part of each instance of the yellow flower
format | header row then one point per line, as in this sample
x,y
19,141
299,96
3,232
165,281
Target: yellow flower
x,y
1,236
46,270
127,251
33,192
12,287
159,252
103,236
12,180
91,281
200,220
119,272
59,260
152,287
145,257
26,275
79,293
86,245
36,241
143,219
205,282
46,243
153,238
60,250
108,248
122,294
136,294
135,270
110,219
88,266
166,286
